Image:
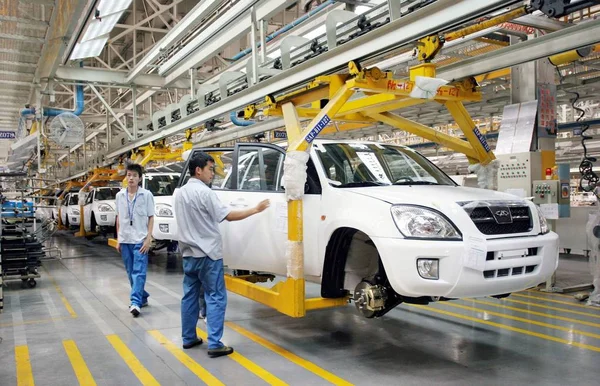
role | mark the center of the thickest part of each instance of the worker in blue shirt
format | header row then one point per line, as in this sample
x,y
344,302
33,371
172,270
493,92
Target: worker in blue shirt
x,y
199,211
135,219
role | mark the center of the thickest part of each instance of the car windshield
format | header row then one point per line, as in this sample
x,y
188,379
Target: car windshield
x,y
162,185
106,194
73,200
362,164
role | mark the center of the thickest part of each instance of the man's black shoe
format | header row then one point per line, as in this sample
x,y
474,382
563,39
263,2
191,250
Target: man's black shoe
x,y
219,352
193,344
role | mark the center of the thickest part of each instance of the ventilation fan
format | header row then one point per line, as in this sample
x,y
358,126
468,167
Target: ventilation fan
x,y
67,130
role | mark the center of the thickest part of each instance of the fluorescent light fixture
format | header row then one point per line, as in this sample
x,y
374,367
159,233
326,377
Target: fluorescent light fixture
x,y
88,49
97,28
97,33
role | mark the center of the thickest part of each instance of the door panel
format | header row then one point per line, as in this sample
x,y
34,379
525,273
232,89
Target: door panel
x,y
87,211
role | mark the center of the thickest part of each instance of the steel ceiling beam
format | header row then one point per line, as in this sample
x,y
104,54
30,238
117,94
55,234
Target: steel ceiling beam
x,y
92,75
28,22
441,15
22,38
187,24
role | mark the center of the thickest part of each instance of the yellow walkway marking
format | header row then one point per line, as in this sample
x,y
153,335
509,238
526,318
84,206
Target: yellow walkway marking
x,y
556,301
524,320
187,361
62,296
134,364
545,315
24,373
248,364
289,356
550,307
81,370
562,295
39,321
506,327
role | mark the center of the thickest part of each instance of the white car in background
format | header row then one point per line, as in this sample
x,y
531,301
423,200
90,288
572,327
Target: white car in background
x,y
382,224
162,185
99,210
69,210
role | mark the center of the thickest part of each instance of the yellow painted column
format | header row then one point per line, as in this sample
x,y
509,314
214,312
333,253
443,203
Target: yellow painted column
x,y
294,284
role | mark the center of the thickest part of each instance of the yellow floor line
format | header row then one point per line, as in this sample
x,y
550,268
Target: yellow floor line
x,y
24,373
130,359
506,327
79,366
557,301
553,293
523,320
187,361
538,305
543,314
249,365
39,321
289,356
62,296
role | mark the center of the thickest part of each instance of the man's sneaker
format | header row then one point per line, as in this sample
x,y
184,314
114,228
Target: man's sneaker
x,y
135,310
193,344
219,352
145,304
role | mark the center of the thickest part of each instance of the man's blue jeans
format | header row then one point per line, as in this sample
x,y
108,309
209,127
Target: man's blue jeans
x,y
208,274
136,264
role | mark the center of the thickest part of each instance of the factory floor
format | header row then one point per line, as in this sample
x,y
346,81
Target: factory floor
x,y
74,328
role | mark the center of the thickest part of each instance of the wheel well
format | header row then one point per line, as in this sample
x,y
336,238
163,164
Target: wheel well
x,y
350,257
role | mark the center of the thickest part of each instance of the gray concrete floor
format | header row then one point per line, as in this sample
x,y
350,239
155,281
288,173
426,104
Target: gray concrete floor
x,y
74,328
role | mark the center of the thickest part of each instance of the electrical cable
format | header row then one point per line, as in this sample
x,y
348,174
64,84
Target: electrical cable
x,y
587,163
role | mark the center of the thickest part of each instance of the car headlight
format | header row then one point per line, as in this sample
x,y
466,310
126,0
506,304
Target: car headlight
x,y
543,222
423,223
163,210
105,208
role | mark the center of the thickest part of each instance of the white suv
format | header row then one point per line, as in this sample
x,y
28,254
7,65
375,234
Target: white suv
x,y
384,224
69,210
99,210
162,185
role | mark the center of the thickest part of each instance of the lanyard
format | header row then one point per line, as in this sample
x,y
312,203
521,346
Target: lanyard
x,y
131,207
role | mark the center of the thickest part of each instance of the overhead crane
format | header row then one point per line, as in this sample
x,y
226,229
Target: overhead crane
x,y
329,96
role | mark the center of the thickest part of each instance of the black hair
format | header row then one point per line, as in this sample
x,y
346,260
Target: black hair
x,y
135,168
199,160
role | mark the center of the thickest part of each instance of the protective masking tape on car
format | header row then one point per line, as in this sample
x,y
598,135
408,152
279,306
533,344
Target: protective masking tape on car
x,y
487,176
294,258
593,235
294,174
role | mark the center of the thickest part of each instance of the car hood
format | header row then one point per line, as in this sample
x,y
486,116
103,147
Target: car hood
x,y
163,200
431,195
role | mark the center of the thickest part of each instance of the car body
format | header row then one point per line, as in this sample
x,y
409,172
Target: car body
x,y
69,210
162,185
99,210
384,218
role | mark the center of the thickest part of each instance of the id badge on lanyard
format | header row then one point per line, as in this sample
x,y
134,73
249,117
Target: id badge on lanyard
x,y
131,207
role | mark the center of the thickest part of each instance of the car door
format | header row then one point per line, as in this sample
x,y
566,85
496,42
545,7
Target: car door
x,y
63,208
87,211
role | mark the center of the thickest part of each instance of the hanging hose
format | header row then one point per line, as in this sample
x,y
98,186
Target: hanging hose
x,y
587,163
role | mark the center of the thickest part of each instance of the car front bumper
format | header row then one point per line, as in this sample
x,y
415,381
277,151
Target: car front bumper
x,y
504,270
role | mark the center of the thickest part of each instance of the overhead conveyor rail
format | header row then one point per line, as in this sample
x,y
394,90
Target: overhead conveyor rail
x,y
442,15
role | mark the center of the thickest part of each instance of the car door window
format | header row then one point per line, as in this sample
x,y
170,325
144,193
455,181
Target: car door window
x,y
272,162
249,174
89,198
223,168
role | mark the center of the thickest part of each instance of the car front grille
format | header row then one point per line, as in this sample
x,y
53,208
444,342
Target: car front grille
x,y
506,272
489,225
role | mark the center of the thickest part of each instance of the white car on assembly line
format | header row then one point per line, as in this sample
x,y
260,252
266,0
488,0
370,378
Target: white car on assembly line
x,y
382,224
162,185
99,210
69,210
